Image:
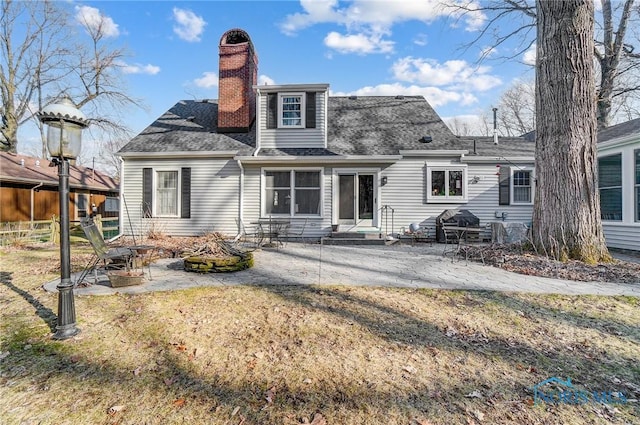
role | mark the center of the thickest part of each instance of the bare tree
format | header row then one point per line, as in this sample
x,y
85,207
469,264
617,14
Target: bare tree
x,y
614,50
31,60
566,216
517,109
46,63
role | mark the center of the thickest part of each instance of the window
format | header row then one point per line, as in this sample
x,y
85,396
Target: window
x,y
522,187
111,204
160,196
446,184
291,110
515,185
292,192
167,193
637,163
610,185
82,204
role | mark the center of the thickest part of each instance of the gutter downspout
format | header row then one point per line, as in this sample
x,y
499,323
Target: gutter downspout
x,y
258,121
33,199
240,202
120,214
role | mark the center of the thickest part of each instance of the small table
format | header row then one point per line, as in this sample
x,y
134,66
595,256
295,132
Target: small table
x,y
275,226
143,251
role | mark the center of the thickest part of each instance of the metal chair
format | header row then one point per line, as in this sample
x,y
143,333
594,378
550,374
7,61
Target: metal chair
x,y
295,231
112,258
249,234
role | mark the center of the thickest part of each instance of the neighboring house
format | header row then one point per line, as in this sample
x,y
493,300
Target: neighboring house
x,y
295,151
29,190
619,183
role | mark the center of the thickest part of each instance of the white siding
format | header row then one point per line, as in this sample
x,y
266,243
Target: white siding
x,y
214,197
289,138
405,193
624,234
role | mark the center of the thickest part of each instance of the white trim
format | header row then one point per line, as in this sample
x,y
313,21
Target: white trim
x,y
303,107
291,87
435,152
532,183
335,191
447,199
337,159
154,183
177,154
498,159
291,171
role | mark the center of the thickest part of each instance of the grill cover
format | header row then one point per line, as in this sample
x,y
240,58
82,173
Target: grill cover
x,y
461,218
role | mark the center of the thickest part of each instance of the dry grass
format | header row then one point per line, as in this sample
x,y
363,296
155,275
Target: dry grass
x,y
284,354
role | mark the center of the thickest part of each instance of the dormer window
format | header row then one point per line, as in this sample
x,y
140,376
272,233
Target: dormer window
x,y
291,110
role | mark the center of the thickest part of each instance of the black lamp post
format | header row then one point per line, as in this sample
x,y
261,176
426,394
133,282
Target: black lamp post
x,y
64,138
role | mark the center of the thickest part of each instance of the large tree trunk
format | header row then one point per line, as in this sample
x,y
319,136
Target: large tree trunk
x,y
566,216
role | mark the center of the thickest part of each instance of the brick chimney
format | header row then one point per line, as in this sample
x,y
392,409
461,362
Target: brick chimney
x,y
238,74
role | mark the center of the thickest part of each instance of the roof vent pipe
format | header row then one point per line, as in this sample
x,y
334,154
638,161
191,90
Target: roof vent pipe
x,y
495,126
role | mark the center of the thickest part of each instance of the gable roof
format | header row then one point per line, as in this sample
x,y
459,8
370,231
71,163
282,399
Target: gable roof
x,y
23,169
190,126
364,125
619,130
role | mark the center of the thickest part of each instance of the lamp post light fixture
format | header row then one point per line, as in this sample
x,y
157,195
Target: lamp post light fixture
x,y
64,138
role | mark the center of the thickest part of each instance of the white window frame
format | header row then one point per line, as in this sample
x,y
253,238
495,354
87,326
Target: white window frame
x,y
156,197
292,188
281,118
636,186
532,180
621,186
431,198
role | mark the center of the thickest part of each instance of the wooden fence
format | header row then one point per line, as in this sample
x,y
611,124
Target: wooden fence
x,y
22,232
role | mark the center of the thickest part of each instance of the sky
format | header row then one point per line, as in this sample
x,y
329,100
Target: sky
x,y
359,47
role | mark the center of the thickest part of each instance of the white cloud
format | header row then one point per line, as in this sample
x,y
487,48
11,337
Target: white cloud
x,y
368,21
265,80
92,19
208,80
358,43
453,73
529,57
434,95
189,26
140,69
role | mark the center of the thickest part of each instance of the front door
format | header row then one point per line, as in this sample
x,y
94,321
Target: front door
x,y
356,199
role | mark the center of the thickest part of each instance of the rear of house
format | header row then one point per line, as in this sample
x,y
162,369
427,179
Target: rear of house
x,y
365,164
619,184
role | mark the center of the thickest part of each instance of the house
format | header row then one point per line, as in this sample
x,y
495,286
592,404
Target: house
x,y
367,164
619,184
29,190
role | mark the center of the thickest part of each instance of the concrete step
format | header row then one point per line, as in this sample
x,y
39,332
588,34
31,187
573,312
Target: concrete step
x,y
355,235
356,241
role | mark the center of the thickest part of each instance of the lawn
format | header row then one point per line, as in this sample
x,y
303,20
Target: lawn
x,y
324,355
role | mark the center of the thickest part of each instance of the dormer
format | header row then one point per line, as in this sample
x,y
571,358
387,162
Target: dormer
x,y
292,116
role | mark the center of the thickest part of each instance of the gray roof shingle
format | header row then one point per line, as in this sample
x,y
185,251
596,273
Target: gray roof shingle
x,y
619,130
369,125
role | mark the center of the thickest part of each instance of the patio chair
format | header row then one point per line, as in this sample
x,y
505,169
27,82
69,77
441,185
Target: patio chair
x,y
294,230
253,234
111,258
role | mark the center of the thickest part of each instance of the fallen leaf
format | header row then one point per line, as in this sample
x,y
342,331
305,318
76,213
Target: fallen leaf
x,y
410,369
270,395
478,414
179,402
318,419
474,394
181,347
193,354
307,381
115,409
235,411
137,371
168,381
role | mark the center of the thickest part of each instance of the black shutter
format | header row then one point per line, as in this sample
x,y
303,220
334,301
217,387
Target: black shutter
x,y
147,192
504,187
272,110
186,193
310,110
